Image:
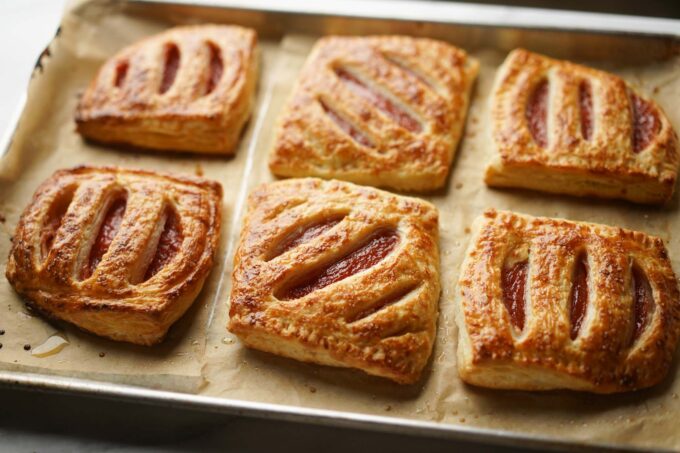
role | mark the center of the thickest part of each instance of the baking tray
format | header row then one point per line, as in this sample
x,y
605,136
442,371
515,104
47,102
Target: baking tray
x,y
581,36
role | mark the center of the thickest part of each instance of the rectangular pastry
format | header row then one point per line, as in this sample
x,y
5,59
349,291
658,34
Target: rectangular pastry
x,y
383,110
186,89
564,128
552,304
338,274
120,253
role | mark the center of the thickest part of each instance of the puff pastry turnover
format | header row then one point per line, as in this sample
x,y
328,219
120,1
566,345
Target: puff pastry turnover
x,y
385,111
548,304
120,253
338,274
565,128
187,89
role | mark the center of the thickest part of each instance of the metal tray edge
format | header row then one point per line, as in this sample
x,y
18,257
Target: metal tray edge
x,y
325,417
461,14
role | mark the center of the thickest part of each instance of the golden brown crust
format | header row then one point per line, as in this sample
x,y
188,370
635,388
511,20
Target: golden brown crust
x,y
428,84
605,356
605,164
381,320
201,108
119,300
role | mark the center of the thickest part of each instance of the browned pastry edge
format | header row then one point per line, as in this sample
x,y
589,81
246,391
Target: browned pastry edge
x,y
605,356
604,164
332,129
381,320
180,119
107,303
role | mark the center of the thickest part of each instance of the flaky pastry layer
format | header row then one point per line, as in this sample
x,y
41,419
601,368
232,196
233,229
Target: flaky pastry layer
x,y
118,252
383,111
189,88
565,128
338,274
553,304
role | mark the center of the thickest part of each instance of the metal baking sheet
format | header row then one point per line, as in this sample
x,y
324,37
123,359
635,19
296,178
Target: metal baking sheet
x,y
580,36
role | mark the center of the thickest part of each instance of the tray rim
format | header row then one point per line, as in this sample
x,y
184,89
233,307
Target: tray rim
x,y
263,410
455,13
469,14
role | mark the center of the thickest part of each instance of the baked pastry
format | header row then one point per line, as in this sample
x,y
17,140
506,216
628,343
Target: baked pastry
x,y
384,110
187,89
120,253
564,128
552,304
338,274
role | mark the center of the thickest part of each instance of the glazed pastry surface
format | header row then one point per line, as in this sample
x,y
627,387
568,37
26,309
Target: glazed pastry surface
x,y
565,128
384,111
187,89
553,304
118,252
338,274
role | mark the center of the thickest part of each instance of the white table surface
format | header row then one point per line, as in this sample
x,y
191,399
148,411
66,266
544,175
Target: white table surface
x,y
26,27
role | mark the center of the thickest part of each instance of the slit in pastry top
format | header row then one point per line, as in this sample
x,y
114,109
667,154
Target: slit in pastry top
x,y
585,97
53,220
401,64
379,100
304,234
578,297
107,232
121,73
373,250
643,302
383,303
514,280
537,113
346,126
215,68
169,244
170,67
646,124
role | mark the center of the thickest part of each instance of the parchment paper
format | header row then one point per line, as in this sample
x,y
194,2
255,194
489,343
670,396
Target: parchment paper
x,y
201,350
45,141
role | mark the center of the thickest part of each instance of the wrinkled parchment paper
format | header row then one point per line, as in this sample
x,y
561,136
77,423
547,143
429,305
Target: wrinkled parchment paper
x,y
45,141
201,356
